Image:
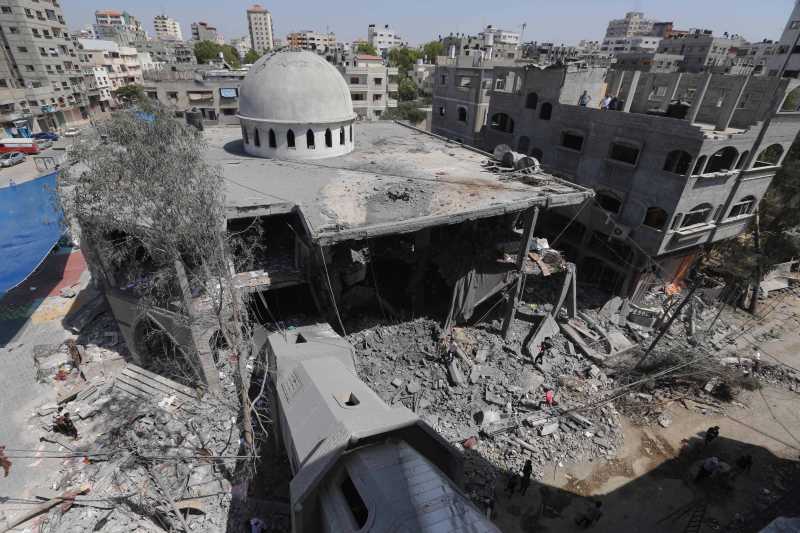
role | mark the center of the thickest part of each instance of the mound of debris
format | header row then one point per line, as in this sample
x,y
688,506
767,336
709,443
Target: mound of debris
x,y
497,408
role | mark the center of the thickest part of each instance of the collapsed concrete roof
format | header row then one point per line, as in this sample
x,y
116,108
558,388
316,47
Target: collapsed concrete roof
x,y
398,179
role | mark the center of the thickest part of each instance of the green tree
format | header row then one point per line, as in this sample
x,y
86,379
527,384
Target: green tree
x,y
405,111
251,57
403,58
130,94
208,51
432,50
407,89
366,48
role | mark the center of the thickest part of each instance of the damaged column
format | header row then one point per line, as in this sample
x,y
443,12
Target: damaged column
x,y
511,306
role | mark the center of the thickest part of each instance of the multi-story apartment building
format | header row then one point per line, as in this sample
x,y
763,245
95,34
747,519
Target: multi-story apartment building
x,y
670,178
632,25
242,46
118,26
636,43
259,23
702,50
384,39
311,40
167,29
757,56
168,52
788,48
203,31
106,67
373,85
491,43
41,83
647,62
422,74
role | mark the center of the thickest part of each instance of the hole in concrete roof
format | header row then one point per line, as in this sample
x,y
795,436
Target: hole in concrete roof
x,y
300,339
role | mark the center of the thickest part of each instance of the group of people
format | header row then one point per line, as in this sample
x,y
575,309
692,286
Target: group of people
x,y
609,103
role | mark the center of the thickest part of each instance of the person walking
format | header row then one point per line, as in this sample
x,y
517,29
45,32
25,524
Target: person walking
x,y
527,470
544,349
584,100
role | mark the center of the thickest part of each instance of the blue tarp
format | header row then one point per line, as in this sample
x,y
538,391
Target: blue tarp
x,y
30,225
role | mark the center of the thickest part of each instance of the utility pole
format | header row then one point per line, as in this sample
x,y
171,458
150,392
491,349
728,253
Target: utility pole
x,y
759,273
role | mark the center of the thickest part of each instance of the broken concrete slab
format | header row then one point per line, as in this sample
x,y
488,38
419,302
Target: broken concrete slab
x,y
496,399
529,381
548,429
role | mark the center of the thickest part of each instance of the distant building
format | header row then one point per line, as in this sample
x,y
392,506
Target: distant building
x,y
638,43
311,40
118,26
702,50
373,85
242,46
259,23
632,25
384,39
492,43
786,48
168,52
167,29
107,66
422,75
648,62
759,55
203,31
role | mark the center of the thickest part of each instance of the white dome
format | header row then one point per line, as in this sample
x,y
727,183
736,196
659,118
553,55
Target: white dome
x,y
295,86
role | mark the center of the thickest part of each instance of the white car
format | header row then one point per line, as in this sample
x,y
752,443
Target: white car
x,y
72,132
10,159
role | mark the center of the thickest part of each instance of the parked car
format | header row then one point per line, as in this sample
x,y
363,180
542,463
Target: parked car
x,y
48,135
43,143
72,132
10,159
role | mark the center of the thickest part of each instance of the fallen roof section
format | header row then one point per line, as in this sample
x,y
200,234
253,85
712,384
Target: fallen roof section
x,y
398,180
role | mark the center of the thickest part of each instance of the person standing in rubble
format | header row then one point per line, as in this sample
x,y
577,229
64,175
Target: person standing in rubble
x,y
63,424
756,362
527,470
544,349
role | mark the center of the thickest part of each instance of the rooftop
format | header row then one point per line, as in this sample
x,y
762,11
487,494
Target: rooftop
x,y
398,179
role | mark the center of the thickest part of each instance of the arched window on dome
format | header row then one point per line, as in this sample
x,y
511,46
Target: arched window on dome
x,y
328,138
310,140
256,138
341,135
244,135
272,142
290,139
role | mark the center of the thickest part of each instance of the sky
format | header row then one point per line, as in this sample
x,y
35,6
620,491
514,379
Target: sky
x,y
418,21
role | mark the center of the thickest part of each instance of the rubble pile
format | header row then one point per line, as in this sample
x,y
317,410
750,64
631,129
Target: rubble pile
x,y
499,412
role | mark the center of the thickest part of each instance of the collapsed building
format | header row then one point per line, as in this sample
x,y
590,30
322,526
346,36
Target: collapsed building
x,y
334,220
681,162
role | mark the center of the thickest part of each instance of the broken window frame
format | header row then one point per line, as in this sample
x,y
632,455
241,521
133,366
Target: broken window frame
x,y
697,216
617,150
567,135
743,208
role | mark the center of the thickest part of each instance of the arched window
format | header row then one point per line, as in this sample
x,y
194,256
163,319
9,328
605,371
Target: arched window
x,y
537,153
609,201
678,162
546,111
462,114
743,207
328,138
698,215
257,138
245,137
502,122
523,145
351,133
341,135
272,142
655,218
532,100
698,167
791,103
722,160
310,140
290,139
770,156
742,160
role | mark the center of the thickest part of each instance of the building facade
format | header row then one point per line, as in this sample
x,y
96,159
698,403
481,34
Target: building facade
x,y
384,39
787,48
647,62
107,67
118,26
632,25
242,46
167,29
259,24
373,85
203,31
311,40
168,52
669,178
484,45
636,43
702,50
41,82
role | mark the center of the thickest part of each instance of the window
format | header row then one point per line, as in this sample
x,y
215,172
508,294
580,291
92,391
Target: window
x,y
795,24
655,218
6,9
546,112
244,135
532,100
743,207
13,29
355,503
341,135
609,202
698,215
376,97
29,68
678,162
328,138
502,122
573,141
290,139
443,79
722,160
624,153
462,114
35,32
354,80
3,83
28,13
310,140
22,49
523,145
464,82
441,110
770,156
698,167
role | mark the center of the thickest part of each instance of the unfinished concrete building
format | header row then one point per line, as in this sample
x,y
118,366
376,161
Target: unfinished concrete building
x,y
680,165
